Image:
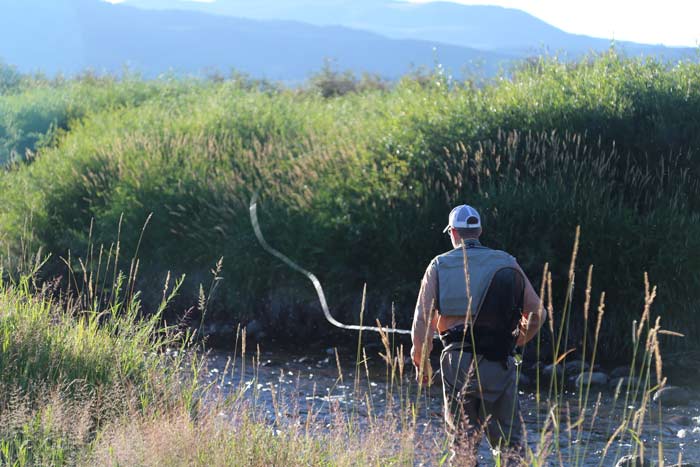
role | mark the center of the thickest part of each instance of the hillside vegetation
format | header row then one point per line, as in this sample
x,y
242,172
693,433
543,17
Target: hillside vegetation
x,y
357,186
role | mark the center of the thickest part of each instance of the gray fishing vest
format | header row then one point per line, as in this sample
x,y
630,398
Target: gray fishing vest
x,y
482,264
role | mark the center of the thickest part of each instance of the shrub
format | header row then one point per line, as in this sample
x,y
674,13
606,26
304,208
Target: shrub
x,y
358,187
10,78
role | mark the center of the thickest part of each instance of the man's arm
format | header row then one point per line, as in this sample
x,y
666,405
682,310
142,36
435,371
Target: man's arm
x,y
424,321
533,314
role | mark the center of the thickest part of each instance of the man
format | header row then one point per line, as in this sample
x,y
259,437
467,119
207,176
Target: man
x,y
482,305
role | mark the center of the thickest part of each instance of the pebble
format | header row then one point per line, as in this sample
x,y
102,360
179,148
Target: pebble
x,y
632,461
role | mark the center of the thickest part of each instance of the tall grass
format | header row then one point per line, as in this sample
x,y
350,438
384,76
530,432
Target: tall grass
x,y
352,183
66,369
102,387
92,381
571,422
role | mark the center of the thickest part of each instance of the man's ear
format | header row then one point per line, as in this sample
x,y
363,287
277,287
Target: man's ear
x,y
454,237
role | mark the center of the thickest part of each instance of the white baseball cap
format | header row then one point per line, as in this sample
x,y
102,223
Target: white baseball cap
x,y
464,217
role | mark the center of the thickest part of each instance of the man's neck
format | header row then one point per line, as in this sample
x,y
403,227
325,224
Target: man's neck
x,y
468,242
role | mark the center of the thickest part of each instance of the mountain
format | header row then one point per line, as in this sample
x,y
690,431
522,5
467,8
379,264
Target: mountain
x,y
492,28
70,35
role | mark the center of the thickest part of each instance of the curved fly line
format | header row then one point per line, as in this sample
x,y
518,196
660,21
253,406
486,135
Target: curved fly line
x,y
314,280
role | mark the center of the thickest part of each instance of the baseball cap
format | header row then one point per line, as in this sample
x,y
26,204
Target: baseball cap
x,y
464,217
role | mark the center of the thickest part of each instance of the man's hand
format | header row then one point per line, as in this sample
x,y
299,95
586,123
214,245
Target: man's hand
x,y
424,375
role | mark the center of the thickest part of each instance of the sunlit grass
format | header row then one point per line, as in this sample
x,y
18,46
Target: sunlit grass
x,y
100,387
85,378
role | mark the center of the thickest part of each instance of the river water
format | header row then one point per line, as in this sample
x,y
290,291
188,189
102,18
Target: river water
x,y
311,379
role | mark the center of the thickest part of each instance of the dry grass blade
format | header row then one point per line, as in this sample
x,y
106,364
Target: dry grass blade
x,y
563,356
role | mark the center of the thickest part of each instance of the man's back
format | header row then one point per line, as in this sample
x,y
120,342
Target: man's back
x,y
482,304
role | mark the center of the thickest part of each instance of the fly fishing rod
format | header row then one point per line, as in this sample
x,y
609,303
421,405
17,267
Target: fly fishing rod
x,y
314,280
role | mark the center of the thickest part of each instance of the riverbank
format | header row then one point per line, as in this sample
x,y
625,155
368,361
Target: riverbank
x,y
102,386
106,386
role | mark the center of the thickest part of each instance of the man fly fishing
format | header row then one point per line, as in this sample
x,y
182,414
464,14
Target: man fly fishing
x,y
483,306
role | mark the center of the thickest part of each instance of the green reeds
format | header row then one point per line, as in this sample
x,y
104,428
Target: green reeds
x,y
554,147
99,387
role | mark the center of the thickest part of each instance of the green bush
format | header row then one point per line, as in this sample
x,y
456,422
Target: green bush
x,y
358,187
10,78
39,114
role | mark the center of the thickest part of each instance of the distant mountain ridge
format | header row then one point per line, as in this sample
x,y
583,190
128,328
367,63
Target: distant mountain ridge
x,y
76,34
283,40
485,27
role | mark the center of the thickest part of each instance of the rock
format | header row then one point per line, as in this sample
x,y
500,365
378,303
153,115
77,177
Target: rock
x,y
631,460
680,420
255,330
598,379
218,329
682,433
620,372
571,382
623,383
672,396
524,380
219,334
548,370
531,370
574,367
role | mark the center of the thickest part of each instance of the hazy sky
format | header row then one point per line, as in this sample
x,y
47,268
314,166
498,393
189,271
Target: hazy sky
x,y
668,22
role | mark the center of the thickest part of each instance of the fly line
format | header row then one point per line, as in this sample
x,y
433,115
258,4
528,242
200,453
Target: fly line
x,y
314,280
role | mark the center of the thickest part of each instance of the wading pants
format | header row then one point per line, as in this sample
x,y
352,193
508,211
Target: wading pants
x,y
480,396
